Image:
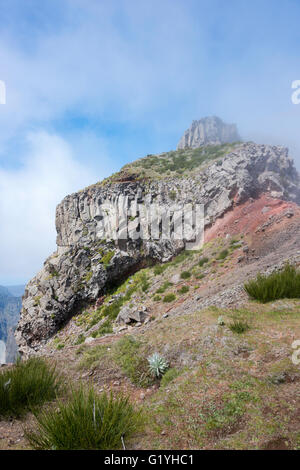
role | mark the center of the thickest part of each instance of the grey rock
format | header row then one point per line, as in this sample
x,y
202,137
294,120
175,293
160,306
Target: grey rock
x,y
209,130
89,340
128,315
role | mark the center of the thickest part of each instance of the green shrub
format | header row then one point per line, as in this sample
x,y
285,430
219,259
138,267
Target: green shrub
x,y
278,285
104,329
183,290
181,257
107,258
145,286
164,287
86,421
80,339
203,261
159,269
170,375
185,275
199,276
158,365
127,354
157,298
89,276
169,298
223,254
173,195
239,326
27,384
92,356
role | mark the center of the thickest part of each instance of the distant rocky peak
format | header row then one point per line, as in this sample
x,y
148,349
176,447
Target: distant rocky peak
x,y
208,131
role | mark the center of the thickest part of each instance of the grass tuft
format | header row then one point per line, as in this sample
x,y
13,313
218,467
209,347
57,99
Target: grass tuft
x,y
127,355
203,261
28,384
278,285
183,290
86,421
185,275
239,326
223,254
169,298
169,376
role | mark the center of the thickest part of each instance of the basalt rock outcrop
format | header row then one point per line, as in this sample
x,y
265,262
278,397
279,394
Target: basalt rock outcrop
x,y
208,131
85,264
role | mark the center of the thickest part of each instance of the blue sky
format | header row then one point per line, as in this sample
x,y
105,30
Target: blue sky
x,y
93,84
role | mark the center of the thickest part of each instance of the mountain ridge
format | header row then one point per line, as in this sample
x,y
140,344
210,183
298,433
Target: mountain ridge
x,y
84,267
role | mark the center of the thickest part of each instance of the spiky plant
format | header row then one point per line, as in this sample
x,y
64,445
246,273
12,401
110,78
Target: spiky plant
x,y
158,365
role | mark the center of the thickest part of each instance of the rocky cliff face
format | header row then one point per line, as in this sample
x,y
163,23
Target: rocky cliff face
x,y
208,131
85,264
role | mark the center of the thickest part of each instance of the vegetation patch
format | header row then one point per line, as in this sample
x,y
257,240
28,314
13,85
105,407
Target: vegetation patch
x,y
130,356
159,269
158,365
176,163
107,258
169,298
185,275
92,356
164,287
80,339
88,276
225,416
28,384
223,254
86,421
203,261
239,326
112,309
278,285
183,290
105,328
169,376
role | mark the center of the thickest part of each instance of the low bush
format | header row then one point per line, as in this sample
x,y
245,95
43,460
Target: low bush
x,y
199,276
203,261
239,326
223,254
92,357
104,329
183,290
169,298
80,339
170,375
164,287
127,355
159,269
85,421
26,385
158,365
278,285
185,275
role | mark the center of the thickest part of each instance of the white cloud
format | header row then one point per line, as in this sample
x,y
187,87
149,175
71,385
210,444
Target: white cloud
x,y
28,197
